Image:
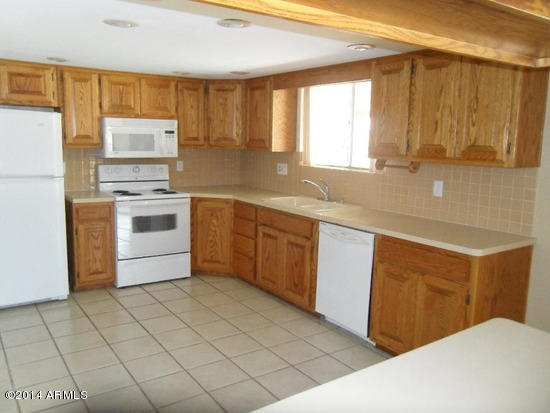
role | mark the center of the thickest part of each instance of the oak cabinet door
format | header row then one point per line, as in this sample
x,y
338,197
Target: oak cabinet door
x,y
28,85
191,113
434,107
213,235
81,109
270,258
440,309
120,95
393,306
225,113
295,283
158,98
259,103
390,108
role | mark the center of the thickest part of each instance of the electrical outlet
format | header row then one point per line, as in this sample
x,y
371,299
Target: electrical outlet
x,y
438,189
282,169
179,166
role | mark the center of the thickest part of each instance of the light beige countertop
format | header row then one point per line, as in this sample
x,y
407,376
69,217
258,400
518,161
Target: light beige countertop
x,y
80,197
454,237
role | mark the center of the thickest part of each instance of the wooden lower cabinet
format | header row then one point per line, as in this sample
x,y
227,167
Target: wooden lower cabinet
x,y
244,241
296,278
91,245
270,258
421,293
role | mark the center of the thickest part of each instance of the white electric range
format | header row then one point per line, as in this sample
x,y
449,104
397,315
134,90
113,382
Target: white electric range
x,y
152,224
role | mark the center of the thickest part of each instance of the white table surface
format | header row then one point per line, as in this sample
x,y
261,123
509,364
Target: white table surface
x,y
497,366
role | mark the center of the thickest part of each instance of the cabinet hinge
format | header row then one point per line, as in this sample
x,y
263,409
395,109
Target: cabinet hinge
x,y
408,146
78,274
76,231
467,299
508,148
413,68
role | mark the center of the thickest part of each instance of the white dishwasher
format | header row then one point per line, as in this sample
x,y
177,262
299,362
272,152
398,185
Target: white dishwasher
x,y
344,274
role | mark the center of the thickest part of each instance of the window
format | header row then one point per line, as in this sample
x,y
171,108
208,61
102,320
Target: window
x,y
336,124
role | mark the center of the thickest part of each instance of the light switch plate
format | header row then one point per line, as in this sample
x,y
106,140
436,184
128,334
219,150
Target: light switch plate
x,y
438,189
179,166
282,169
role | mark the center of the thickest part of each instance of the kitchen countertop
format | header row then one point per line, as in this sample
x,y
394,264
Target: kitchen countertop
x,y
80,197
497,366
459,238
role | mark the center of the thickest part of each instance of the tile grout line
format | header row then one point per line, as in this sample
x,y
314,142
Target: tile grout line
x,y
8,368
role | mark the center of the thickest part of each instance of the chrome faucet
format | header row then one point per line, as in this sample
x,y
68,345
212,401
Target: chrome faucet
x,y
323,188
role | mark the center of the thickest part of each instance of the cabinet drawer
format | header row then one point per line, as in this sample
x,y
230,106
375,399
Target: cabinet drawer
x,y
245,211
287,223
244,245
424,259
244,227
243,266
93,211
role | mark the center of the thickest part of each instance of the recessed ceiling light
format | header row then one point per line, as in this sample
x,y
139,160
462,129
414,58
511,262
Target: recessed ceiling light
x,y
123,24
180,72
56,59
239,72
361,47
234,23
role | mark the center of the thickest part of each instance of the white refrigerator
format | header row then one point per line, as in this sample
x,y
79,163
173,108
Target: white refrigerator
x,y
33,245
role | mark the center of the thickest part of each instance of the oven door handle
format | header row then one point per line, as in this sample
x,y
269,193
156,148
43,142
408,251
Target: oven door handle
x,y
154,202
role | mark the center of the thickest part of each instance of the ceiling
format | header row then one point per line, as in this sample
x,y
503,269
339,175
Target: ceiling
x,y
172,35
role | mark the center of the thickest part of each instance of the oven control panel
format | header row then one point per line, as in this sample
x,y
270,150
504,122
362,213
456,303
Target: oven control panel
x,y
141,172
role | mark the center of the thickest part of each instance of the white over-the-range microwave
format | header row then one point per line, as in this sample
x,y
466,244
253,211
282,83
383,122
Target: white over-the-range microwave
x,y
140,138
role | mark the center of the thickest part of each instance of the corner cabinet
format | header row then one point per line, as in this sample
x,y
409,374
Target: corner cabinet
x,y
225,113
28,84
91,239
421,293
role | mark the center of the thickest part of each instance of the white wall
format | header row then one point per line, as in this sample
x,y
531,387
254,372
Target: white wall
x,y
538,303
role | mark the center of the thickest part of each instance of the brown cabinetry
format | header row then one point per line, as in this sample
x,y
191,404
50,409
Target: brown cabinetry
x,y
91,245
211,235
244,241
421,293
158,97
120,95
81,109
28,84
225,113
191,112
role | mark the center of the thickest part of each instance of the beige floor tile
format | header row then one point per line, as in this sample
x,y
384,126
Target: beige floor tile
x,y
358,357
296,351
212,279
244,293
49,305
91,359
90,295
151,367
219,374
38,372
233,309
303,327
78,342
323,369
217,329
197,317
25,336
236,345
169,295
112,319
163,285
186,282
63,313
182,305
8,405
102,306
164,323
330,341
103,380
127,400
73,407
261,303
259,362
271,335
281,314
148,311
70,327
212,300
196,355
136,348
31,352
15,322
286,382
243,397
198,404
250,322
196,290
178,338
123,332
124,292
228,285
136,300
170,389
33,405
13,312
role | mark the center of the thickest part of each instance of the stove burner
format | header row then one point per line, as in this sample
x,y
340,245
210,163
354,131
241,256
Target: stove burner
x,y
120,192
131,194
160,190
169,192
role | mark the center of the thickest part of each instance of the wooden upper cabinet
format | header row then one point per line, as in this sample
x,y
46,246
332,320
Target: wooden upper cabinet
x,y
81,109
391,80
434,107
259,93
191,113
120,95
225,113
158,97
26,84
